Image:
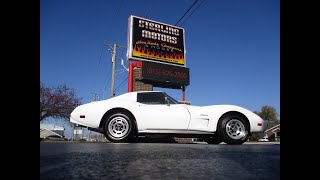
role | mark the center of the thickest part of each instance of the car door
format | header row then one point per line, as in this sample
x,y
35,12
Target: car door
x,y
156,114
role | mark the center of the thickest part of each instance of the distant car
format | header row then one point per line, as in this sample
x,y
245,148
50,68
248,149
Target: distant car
x,y
55,138
124,117
264,139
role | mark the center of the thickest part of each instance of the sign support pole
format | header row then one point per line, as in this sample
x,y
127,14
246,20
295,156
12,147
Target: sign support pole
x,y
130,78
183,92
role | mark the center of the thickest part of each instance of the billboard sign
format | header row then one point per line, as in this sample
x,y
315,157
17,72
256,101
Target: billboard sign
x,y
164,74
150,40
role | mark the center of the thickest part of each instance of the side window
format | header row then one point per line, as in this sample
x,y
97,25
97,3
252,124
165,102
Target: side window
x,y
151,98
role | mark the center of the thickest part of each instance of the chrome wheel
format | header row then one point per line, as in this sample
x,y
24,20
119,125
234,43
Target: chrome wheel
x,y
118,127
235,129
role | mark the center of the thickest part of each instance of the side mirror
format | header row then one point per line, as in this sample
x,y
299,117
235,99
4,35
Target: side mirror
x,y
167,101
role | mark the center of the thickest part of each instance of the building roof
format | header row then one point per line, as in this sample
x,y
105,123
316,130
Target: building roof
x,y
54,133
51,127
273,128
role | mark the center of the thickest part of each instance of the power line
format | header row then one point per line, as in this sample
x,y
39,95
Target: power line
x,y
116,15
108,30
107,78
120,71
187,11
114,62
192,13
95,96
121,84
148,11
122,53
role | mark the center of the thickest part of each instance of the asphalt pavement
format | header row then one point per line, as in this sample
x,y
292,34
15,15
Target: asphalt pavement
x,y
66,160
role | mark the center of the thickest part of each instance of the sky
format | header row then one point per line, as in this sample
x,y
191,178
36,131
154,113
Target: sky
x,y
232,48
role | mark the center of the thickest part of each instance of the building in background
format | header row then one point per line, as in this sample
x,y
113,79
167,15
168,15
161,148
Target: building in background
x,y
51,130
273,133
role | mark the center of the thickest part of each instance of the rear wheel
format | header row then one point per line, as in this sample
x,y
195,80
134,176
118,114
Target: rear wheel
x,y
233,129
119,127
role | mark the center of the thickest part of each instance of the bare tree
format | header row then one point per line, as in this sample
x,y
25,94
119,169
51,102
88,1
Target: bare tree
x,y
57,102
269,113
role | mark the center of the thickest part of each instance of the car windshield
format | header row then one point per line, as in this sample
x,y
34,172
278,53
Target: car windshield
x,y
155,98
171,99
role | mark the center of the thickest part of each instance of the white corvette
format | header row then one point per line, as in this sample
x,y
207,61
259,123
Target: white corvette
x,y
124,117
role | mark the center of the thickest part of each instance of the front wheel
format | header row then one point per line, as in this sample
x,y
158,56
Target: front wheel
x,y
233,129
119,128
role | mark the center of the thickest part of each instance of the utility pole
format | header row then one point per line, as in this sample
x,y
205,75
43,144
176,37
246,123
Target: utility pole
x,y
113,68
95,96
113,64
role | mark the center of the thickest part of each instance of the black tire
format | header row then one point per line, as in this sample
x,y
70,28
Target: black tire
x,y
119,127
214,139
233,128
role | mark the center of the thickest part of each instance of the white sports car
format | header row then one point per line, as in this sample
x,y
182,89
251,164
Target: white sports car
x,y
125,117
